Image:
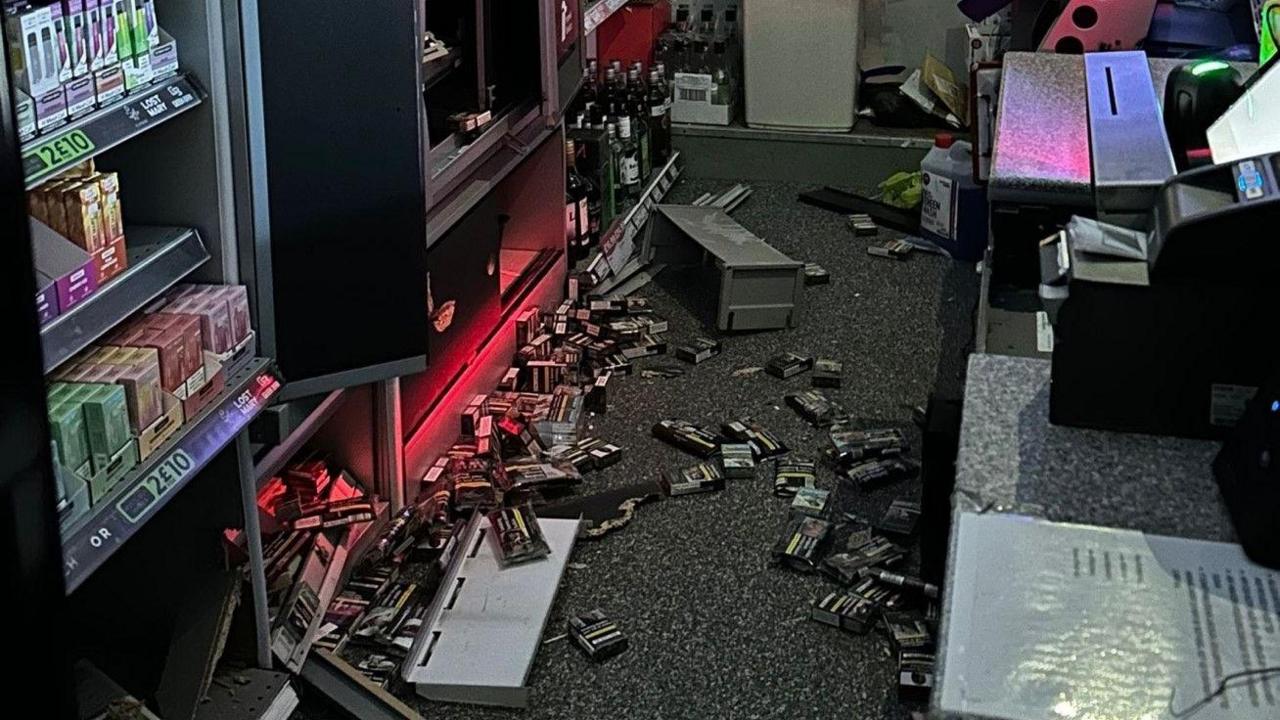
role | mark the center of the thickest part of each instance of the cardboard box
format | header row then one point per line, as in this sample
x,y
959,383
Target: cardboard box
x,y
112,214
110,260
45,205
159,431
137,370
216,382
106,416
35,62
237,299
164,56
46,298
70,267
102,481
69,432
82,211
214,316
700,100
188,326
168,347
78,497
108,84
25,110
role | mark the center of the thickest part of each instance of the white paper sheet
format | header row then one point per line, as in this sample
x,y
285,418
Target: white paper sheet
x,y
1052,621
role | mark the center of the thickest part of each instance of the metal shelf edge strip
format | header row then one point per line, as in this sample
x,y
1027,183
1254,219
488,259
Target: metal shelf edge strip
x,y
151,485
158,270
110,126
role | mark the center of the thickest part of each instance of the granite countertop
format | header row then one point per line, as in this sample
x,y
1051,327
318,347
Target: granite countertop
x,y
1012,459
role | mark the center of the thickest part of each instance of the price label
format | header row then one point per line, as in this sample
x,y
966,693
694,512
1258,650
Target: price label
x,y
64,149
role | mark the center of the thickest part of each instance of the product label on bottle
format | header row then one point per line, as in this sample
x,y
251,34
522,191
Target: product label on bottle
x,y
584,219
938,206
630,170
571,222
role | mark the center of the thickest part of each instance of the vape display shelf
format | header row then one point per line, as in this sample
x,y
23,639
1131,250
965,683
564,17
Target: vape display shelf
x,y
593,16
47,155
436,69
477,642
618,243
158,258
281,454
88,543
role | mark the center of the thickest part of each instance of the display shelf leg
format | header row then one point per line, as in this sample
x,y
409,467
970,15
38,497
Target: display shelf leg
x,y
253,538
388,437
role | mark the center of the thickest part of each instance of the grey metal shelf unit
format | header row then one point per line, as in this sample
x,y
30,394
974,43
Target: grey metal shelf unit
x,y
159,257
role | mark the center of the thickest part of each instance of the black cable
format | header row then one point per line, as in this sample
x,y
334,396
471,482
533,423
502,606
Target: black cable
x,y
1222,689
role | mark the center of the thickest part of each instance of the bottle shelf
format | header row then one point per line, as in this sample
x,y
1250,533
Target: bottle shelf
x,y
84,138
140,494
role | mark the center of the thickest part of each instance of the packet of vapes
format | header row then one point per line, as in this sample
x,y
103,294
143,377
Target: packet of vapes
x,y
518,536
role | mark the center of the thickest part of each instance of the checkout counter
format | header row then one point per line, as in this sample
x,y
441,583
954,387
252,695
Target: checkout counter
x,y
1091,572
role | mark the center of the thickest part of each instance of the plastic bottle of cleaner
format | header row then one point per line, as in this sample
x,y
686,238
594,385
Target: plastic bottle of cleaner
x,y
953,211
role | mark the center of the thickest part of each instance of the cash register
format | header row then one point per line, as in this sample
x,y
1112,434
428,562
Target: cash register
x,y
1165,321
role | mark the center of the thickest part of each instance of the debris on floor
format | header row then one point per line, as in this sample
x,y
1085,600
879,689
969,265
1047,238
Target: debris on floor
x,y
598,636
788,365
861,225
892,249
815,274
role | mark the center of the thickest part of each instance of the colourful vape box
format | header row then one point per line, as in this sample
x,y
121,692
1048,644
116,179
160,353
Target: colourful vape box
x,y
108,84
82,97
46,298
70,267
70,434
110,260
51,109
106,415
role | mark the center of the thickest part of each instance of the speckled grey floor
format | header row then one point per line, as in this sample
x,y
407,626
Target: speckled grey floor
x,y
715,630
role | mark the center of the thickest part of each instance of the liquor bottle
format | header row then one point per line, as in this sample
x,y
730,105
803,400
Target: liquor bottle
x,y
575,203
629,160
616,194
638,109
591,86
659,121
595,210
722,93
608,88
662,79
